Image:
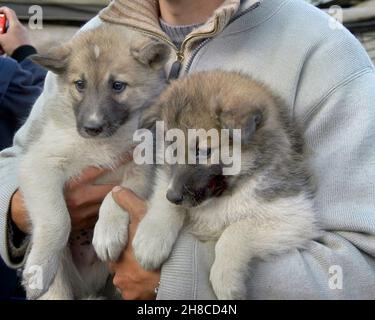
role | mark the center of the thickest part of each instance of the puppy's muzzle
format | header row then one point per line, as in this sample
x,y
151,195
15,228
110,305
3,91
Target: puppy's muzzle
x,y
175,197
93,128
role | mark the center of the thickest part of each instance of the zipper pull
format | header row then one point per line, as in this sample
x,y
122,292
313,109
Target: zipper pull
x,y
176,67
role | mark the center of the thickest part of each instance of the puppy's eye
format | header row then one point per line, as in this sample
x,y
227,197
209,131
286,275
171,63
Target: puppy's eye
x,y
201,154
80,85
118,86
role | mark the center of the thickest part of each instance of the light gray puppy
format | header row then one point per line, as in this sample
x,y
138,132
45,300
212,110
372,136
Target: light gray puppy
x,y
105,78
264,209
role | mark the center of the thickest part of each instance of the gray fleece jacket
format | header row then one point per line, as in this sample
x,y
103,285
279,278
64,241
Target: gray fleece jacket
x,y
328,83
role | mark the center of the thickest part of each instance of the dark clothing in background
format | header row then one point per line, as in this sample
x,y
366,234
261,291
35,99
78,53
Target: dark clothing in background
x,y
21,83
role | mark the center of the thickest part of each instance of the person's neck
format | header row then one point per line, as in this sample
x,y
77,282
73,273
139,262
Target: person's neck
x,y
187,12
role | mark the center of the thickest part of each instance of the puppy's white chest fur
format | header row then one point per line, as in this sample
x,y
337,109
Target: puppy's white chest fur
x,y
74,153
209,220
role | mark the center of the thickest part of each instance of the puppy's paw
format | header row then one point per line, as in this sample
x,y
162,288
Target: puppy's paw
x,y
111,235
38,274
152,244
227,283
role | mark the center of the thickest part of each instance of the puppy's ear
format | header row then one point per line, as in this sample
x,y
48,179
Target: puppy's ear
x,y
248,122
151,53
55,60
150,116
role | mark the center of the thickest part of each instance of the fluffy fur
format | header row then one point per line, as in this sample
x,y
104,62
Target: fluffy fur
x,y
266,209
105,77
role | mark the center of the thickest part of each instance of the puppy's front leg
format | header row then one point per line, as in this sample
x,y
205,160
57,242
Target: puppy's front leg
x,y
158,231
111,230
245,240
44,199
61,287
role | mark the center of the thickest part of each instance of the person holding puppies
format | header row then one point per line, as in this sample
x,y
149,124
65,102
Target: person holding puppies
x,y
328,83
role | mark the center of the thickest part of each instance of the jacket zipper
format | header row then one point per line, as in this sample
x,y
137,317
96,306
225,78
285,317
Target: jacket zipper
x,y
176,66
190,62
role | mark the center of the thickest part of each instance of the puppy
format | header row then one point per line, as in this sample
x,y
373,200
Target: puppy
x,y
105,78
264,209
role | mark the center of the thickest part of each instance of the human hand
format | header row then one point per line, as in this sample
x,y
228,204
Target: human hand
x,y
83,199
16,34
130,278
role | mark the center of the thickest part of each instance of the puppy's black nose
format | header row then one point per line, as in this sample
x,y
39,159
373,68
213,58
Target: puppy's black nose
x,y
93,128
175,197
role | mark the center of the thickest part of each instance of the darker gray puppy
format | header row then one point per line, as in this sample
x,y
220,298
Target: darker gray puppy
x,y
264,208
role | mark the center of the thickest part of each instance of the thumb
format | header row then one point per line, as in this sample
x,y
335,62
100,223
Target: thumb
x,y
130,202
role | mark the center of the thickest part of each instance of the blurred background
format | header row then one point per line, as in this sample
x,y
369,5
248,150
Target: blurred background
x,y
358,16
62,18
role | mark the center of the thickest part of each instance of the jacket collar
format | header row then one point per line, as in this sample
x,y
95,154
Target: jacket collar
x,y
143,15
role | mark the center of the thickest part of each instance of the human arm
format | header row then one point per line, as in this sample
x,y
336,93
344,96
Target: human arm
x,y
9,161
20,85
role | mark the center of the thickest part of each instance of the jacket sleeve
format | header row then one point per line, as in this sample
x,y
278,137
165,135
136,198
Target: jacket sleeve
x,y
340,138
20,87
9,159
